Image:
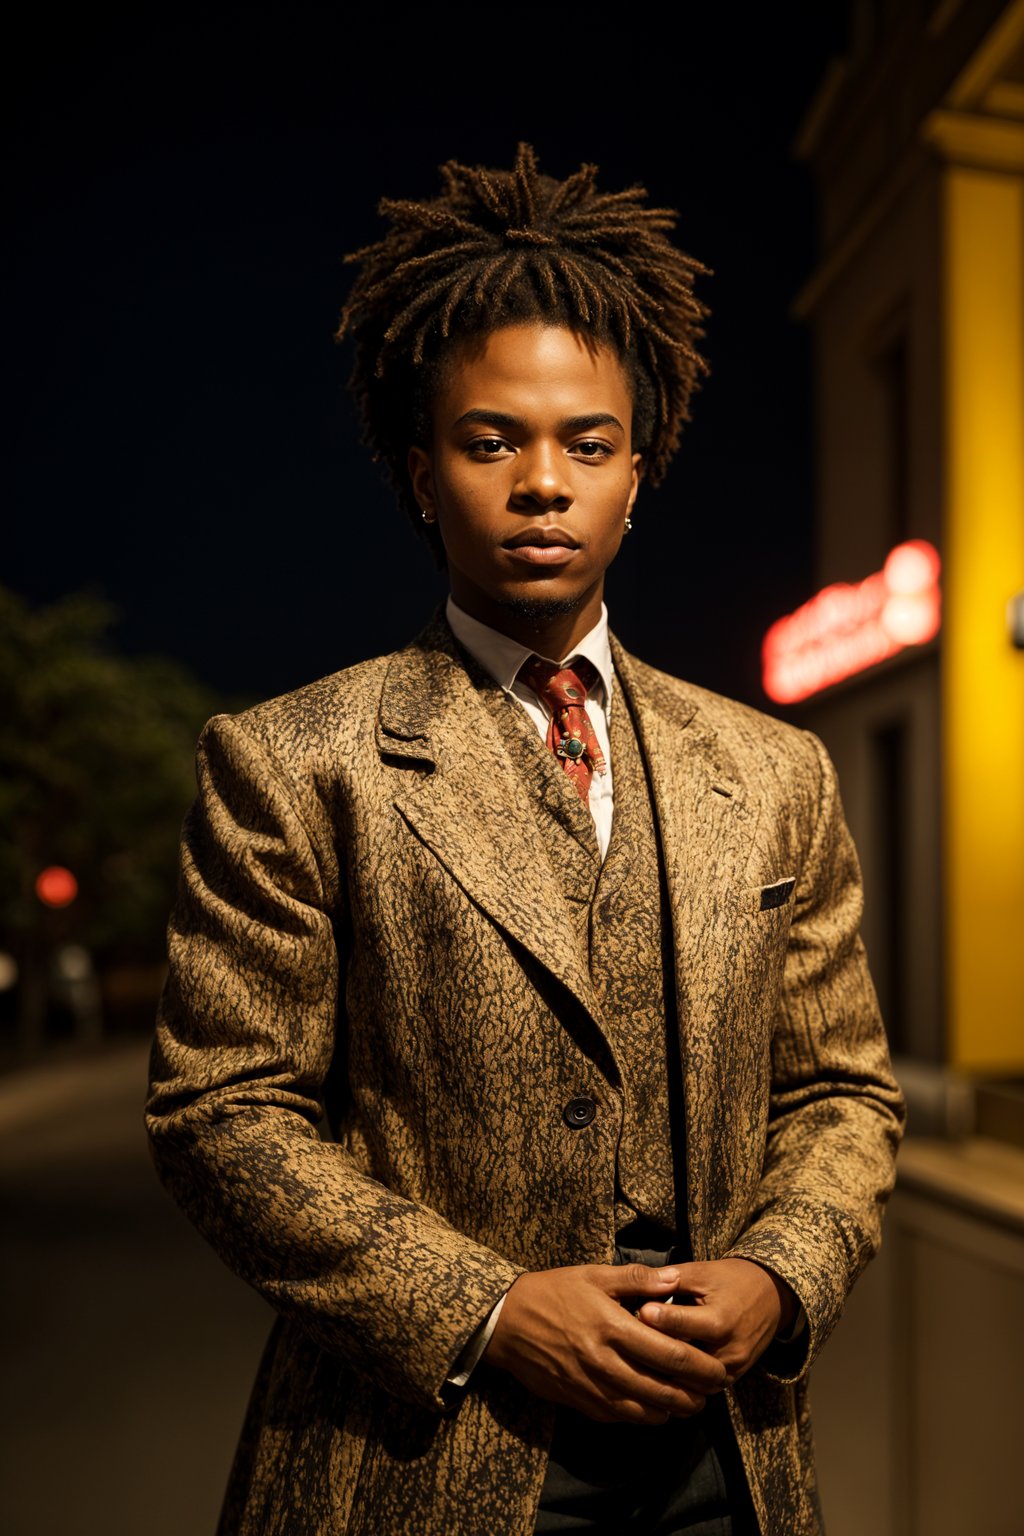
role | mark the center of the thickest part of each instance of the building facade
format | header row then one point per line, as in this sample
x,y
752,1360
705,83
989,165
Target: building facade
x,y
916,145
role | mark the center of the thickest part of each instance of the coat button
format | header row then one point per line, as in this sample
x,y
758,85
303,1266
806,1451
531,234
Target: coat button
x,y
578,1113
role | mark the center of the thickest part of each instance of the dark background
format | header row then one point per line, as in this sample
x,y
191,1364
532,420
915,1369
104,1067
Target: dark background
x,y
184,188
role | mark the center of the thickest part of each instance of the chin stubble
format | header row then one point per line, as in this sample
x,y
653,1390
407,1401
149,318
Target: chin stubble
x,y
537,610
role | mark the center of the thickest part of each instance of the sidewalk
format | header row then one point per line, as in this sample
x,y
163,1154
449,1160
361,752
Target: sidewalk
x,y
127,1374
40,1092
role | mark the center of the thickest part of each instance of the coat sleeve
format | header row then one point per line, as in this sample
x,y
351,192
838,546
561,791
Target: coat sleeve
x,y
836,1113
246,1032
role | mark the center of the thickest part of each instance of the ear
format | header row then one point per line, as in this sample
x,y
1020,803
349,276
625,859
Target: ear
x,y
638,469
421,473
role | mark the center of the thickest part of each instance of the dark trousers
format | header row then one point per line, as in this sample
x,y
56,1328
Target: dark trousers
x,y
646,1480
683,1478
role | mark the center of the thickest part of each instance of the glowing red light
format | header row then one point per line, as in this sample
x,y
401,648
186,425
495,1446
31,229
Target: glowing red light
x,y
848,627
56,886
913,619
911,568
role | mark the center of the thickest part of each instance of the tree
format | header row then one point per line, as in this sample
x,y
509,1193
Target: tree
x,y
96,754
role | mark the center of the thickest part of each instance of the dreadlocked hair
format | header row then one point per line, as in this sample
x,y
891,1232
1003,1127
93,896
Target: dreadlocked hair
x,y
501,247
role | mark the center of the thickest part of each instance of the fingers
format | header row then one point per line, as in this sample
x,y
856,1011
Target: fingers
x,y
670,1357
564,1334
706,1331
736,1317
704,1325
620,1390
662,1372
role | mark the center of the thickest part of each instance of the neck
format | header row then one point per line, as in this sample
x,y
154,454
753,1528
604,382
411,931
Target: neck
x,y
545,626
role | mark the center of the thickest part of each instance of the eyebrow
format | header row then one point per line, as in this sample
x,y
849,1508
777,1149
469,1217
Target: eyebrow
x,y
568,424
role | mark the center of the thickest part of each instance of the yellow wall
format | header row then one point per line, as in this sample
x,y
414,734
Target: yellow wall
x,y
983,676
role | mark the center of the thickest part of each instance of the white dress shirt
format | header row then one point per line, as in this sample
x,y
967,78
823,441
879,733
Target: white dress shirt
x,y
502,658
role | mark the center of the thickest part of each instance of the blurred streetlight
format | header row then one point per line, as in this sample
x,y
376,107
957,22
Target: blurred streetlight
x,y
56,886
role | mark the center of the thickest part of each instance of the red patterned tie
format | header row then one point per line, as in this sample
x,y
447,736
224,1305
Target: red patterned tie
x,y
570,733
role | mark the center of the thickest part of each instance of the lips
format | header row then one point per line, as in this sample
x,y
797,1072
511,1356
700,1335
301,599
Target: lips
x,y
547,537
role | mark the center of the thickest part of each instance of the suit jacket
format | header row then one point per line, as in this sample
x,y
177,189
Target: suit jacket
x,y
369,928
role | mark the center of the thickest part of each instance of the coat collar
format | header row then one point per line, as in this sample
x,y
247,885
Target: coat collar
x,y
426,678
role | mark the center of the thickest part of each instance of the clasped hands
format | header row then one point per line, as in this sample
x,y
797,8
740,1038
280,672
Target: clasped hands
x,y
566,1335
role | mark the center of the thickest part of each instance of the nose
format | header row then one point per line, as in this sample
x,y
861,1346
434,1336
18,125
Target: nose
x,y
542,480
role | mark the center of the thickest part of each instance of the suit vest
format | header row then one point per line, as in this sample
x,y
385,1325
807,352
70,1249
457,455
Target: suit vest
x,y
619,912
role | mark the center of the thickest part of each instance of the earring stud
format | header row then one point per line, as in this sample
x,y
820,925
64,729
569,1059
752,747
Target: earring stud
x,y
629,524
427,517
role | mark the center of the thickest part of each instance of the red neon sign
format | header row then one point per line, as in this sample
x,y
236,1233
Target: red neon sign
x,y
850,626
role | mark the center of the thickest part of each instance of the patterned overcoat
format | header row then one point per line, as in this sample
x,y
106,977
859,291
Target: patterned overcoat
x,y
377,1010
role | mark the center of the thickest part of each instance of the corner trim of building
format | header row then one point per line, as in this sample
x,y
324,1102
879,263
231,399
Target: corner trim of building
x,y
972,139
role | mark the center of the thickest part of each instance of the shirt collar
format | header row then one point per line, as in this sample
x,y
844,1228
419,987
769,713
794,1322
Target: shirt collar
x,y
502,657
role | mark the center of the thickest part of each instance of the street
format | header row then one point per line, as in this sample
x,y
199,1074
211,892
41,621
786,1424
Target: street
x,y
130,1349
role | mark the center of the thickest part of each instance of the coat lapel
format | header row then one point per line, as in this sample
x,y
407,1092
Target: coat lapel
x,y
468,810
706,826
704,818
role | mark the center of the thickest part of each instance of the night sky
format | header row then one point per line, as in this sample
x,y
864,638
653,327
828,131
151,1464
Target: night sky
x,y
183,191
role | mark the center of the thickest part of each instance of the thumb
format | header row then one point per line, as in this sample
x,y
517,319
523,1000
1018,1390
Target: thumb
x,y
697,1278
618,1280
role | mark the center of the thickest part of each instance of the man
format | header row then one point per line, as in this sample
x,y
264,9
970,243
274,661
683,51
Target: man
x,y
565,949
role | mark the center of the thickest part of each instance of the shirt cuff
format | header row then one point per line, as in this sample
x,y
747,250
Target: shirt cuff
x,y
469,1357
797,1327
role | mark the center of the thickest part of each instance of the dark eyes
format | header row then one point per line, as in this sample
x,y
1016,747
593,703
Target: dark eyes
x,y
492,447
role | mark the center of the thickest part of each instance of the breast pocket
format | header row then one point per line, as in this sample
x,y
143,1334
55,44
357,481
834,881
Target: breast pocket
x,y
764,915
772,897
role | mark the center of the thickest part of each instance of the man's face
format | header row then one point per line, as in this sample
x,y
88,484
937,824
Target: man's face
x,y
530,476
